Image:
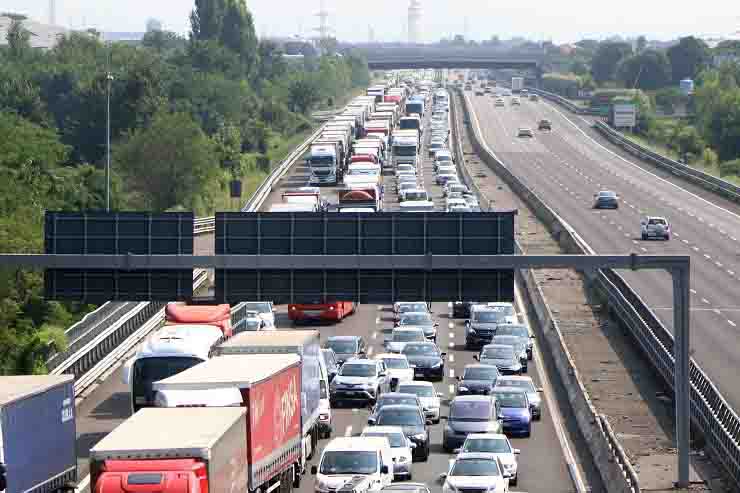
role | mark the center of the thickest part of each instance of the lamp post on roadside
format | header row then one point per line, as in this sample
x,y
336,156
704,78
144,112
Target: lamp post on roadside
x,y
108,81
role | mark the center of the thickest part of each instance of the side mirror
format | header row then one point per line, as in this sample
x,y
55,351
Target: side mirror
x,y
517,451
361,353
476,357
531,337
126,373
314,470
458,378
442,477
443,354
383,469
382,374
436,324
467,323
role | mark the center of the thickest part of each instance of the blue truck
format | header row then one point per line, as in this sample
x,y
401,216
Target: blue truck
x,y
415,106
38,449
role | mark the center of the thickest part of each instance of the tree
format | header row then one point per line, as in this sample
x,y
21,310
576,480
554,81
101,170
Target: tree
x,y
717,100
607,58
238,34
686,140
206,19
302,93
579,67
18,38
688,58
272,65
168,164
161,41
649,70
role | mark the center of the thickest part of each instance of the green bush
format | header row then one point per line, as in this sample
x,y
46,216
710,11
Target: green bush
x,y
730,168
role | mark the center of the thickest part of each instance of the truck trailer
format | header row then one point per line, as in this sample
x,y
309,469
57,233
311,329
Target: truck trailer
x,y
517,84
37,421
304,343
184,450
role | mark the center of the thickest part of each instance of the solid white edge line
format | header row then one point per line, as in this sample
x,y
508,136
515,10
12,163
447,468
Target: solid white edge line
x,y
552,105
557,419
82,485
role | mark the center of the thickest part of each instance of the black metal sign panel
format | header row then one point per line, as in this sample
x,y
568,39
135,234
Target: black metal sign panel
x,y
487,233
376,286
116,234
390,233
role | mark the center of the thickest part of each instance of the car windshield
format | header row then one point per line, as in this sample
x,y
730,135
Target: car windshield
x,y
512,330
488,317
407,335
487,445
399,417
607,194
258,306
477,410
444,157
419,390
413,307
421,350
481,373
349,462
417,196
475,467
355,370
416,319
395,439
511,399
514,341
404,150
656,221
394,399
342,347
525,385
498,353
396,363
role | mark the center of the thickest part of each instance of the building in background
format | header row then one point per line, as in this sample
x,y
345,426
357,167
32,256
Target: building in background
x,y
43,36
414,23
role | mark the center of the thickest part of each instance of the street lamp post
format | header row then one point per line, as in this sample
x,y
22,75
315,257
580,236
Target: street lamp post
x,y
108,80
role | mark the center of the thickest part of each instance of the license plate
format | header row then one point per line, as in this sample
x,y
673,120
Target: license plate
x,y
419,373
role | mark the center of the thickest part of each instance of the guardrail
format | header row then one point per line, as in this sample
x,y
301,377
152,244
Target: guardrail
x,y
613,464
704,180
574,108
106,335
711,415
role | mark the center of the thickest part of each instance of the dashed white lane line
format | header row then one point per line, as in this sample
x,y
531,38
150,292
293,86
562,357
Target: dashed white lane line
x,y
452,389
452,358
708,257
731,272
732,323
686,241
705,301
716,310
696,249
643,249
451,345
452,373
377,320
348,431
693,291
375,335
452,335
676,235
718,264
451,325
370,351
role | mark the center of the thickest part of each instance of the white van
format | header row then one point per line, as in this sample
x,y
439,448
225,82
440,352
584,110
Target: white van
x,y
358,464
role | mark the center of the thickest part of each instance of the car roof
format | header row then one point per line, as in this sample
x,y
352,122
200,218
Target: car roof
x,y
496,346
408,329
343,338
515,378
473,455
500,436
420,383
477,365
421,343
356,443
400,395
472,398
361,361
390,356
400,407
382,429
517,390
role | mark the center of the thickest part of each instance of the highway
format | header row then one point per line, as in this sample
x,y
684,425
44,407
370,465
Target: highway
x,y
542,466
566,167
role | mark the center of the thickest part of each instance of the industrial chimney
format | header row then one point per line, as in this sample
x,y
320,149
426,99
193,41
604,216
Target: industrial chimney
x,y
415,15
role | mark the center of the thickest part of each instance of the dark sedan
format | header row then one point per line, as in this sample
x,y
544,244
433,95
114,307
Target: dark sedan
x,y
606,200
346,347
394,399
413,423
426,359
518,330
477,380
502,357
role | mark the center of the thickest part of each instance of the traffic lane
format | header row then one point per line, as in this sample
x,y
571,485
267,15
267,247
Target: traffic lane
x,y
585,123
713,328
540,468
711,219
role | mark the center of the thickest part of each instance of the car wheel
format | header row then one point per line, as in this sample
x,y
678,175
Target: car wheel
x,y
409,477
667,237
528,432
514,480
644,237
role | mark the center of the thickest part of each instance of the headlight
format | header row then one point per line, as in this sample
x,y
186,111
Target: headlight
x,y
462,388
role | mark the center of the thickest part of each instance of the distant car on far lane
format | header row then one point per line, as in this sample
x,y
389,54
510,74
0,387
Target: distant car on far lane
x,y
655,227
525,132
606,199
544,124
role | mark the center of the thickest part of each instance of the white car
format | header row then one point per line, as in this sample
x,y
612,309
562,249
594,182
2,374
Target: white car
x,y
507,309
452,202
397,367
471,471
400,447
427,395
446,169
401,336
655,227
400,307
366,461
404,187
265,310
498,446
407,168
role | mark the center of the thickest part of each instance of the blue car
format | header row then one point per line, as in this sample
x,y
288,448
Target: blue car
x,y
515,409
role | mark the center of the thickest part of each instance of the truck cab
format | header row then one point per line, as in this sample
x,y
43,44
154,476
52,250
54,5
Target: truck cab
x,y
323,165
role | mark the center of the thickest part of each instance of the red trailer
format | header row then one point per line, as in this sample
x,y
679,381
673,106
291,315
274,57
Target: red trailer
x,y
216,315
320,312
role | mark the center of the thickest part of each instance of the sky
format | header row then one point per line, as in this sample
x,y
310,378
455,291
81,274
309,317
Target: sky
x,y
559,21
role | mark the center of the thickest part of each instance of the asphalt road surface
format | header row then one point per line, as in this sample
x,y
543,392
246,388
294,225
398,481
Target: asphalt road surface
x,y
566,167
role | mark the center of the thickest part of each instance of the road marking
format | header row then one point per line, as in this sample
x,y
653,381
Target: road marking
x,y
708,257
718,264
626,235
348,431
451,345
452,358
370,351
705,301
732,323
686,241
635,242
377,320
452,373
676,235
82,485
451,325
693,291
452,389
375,335
696,249
452,335
732,273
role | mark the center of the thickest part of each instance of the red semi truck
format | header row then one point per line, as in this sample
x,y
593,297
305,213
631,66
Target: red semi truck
x,y
268,386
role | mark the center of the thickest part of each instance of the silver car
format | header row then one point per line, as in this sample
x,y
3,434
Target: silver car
x,y
427,395
527,384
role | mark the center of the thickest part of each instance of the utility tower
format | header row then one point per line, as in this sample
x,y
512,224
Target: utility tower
x,y
323,15
52,12
414,22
